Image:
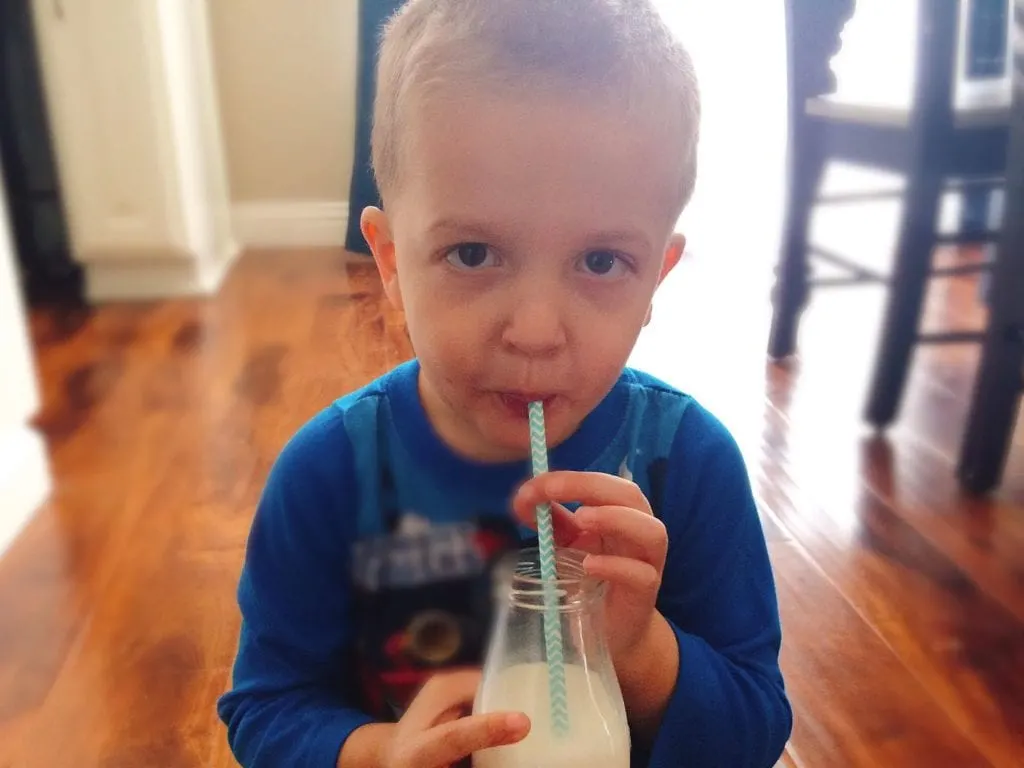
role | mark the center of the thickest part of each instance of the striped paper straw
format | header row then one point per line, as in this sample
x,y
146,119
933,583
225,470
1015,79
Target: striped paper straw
x,y
549,576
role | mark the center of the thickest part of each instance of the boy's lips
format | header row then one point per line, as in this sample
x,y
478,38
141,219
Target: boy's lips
x,y
518,403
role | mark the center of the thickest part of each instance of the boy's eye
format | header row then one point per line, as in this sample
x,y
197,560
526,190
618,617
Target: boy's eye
x,y
604,263
471,256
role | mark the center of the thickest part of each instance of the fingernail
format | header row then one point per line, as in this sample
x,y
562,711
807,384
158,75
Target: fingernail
x,y
517,723
584,516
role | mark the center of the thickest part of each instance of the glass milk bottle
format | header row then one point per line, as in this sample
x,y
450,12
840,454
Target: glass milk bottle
x,y
516,673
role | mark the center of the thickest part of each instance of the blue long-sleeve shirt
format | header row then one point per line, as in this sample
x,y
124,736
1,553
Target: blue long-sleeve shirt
x,y
366,569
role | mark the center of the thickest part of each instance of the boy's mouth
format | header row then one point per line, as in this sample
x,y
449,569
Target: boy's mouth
x,y
518,403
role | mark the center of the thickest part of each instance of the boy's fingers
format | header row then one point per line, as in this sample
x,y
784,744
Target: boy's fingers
x,y
566,529
444,692
628,529
451,742
625,572
588,542
568,532
591,488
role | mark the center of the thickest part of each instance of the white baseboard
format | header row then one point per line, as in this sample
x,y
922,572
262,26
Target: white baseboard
x,y
148,279
290,223
24,480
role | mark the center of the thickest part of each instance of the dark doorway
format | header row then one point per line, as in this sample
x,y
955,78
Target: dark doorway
x,y
48,272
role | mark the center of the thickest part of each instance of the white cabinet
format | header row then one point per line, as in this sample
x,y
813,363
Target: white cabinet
x,y
131,95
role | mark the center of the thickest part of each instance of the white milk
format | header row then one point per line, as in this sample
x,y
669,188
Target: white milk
x,y
598,733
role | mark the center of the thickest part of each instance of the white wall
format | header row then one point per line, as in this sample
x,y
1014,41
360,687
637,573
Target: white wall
x,y
24,474
286,75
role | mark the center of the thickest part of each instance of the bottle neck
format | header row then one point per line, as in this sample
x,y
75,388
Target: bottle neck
x,y
523,588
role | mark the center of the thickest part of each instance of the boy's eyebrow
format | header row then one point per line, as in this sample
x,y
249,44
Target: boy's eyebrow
x,y
605,238
622,237
468,227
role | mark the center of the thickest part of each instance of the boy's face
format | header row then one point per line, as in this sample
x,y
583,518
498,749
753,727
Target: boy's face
x,y
524,244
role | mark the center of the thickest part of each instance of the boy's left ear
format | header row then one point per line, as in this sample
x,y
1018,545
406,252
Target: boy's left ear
x,y
673,255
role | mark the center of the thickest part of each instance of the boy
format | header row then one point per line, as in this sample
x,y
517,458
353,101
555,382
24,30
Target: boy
x,y
533,156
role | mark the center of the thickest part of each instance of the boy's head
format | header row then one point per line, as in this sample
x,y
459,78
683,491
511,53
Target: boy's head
x,y
533,157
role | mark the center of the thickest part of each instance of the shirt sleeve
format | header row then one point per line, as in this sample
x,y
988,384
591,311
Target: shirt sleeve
x,y
729,705
291,701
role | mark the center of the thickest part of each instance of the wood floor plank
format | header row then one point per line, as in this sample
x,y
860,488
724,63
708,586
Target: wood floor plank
x,y
983,536
961,644
855,703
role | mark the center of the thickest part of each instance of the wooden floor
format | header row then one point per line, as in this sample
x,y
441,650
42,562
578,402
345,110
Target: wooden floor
x,y
902,602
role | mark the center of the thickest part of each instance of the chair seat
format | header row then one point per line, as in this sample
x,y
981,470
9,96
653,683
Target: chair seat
x,y
879,136
980,114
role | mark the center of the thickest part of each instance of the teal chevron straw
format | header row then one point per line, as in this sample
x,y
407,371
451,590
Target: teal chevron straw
x,y
549,576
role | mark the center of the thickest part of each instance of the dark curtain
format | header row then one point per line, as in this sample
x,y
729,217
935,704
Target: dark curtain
x,y
47,271
363,189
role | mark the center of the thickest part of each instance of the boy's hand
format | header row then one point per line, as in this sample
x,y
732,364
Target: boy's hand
x,y
627,547
627,544
433,733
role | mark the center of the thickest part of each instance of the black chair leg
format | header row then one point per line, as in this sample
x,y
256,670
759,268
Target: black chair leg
x,y
974,213
806,164
993,414
997,391
907,289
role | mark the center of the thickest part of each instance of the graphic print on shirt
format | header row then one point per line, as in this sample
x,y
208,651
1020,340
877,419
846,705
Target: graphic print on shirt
x,y
423,597
423,591
624,471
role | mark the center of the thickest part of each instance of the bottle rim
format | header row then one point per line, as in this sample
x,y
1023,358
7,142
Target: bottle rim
x,y
524,586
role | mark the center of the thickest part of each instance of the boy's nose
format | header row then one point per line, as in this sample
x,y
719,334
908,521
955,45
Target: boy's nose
x,y
535,328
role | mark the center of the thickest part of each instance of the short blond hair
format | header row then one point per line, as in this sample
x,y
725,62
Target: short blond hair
x,y
614,48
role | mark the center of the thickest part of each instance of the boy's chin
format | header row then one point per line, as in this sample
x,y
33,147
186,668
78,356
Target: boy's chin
x,y
502,441
510,438
507,442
